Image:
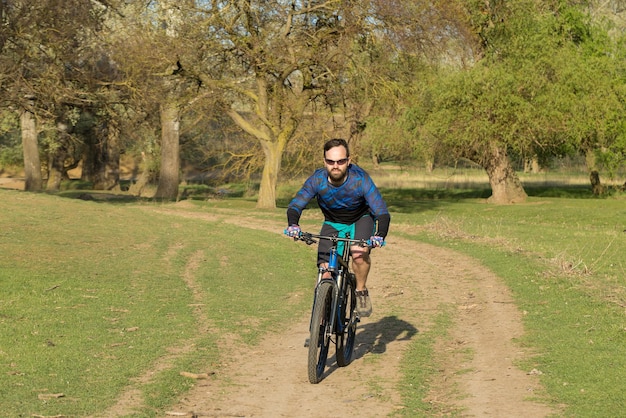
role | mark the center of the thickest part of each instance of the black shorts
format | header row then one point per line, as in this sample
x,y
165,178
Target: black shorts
x,y
364,228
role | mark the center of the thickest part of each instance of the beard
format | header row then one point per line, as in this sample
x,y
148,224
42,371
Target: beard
x,y
337,175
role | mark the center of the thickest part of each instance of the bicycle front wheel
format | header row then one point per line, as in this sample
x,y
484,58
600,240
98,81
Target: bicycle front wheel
x,y
348,320
319,342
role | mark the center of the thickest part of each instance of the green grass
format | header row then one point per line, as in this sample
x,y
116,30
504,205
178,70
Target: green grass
x,y
563,260
95,293
419,364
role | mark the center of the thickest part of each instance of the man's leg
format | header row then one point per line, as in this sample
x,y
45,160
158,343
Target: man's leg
x,y
361,267
361,264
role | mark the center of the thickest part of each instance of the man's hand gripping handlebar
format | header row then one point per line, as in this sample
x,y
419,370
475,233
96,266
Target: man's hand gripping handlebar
x,y
296,233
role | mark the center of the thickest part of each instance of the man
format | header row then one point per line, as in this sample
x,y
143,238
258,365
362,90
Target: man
x,y
350,202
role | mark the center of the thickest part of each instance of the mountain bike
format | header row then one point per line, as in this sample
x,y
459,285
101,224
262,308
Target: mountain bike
x,y
333,314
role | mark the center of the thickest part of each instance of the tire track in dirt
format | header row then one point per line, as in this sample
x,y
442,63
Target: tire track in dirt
x,y
131,399
410,283
477,373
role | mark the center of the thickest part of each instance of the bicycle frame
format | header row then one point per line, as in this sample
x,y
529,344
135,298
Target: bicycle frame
x,y
333,307
338,275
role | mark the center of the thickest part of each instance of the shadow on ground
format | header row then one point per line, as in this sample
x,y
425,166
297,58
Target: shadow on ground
x,y
375,336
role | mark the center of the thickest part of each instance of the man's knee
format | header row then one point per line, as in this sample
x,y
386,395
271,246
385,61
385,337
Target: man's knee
x,y
361,256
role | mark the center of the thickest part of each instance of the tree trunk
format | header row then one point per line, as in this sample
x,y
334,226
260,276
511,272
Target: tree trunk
x,y
430,165
354,119
105,158
91,157
56,159
56,164
375,160
506,187
112,160
273,135
531,165
267,192
596,184
169,174
94,157
32,163
137,188
101,156
594,174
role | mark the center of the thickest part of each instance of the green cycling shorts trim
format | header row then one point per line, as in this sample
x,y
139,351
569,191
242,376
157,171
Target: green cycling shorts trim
x,y
343,230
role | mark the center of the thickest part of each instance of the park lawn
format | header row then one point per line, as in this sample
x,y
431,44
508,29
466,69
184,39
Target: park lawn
x,y
94,293
563,260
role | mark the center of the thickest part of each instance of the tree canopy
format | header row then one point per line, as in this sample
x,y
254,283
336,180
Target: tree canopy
x,y
549,82
494,82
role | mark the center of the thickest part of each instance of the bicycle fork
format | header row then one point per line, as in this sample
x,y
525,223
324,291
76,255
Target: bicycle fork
x,y
329,328
336,325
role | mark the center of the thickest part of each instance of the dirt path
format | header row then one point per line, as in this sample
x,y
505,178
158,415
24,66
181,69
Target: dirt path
x,y
410,283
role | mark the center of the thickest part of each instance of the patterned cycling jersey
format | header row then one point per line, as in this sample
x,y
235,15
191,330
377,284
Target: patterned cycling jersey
x,y
345,204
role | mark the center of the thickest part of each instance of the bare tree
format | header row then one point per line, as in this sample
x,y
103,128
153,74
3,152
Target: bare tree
x,y
152,42
275,60
47,57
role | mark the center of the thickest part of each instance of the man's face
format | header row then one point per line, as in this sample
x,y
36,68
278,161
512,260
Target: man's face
x,y
336,162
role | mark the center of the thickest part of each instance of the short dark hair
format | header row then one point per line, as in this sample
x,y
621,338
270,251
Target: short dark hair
x,y
336,142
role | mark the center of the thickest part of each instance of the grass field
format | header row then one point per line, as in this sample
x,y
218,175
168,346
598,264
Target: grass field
x,y
92,295
563,260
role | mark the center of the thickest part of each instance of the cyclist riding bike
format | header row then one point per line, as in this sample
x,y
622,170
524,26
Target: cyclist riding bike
x,y
351,204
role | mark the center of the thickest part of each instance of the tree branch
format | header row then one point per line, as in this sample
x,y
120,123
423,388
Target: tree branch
x,y
247,126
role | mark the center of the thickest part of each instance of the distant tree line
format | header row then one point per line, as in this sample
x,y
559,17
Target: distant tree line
x,y
251,87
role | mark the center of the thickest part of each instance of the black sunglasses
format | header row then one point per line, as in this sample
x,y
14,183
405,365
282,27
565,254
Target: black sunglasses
x,y
338,162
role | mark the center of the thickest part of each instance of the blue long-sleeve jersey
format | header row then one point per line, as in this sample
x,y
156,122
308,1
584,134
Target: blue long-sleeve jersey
x,y
345,204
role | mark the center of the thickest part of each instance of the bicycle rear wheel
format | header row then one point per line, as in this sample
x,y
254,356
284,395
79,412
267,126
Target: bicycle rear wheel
x,y
347,317
319,342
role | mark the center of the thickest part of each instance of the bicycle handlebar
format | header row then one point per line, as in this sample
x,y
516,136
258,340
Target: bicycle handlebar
x,y
308,238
